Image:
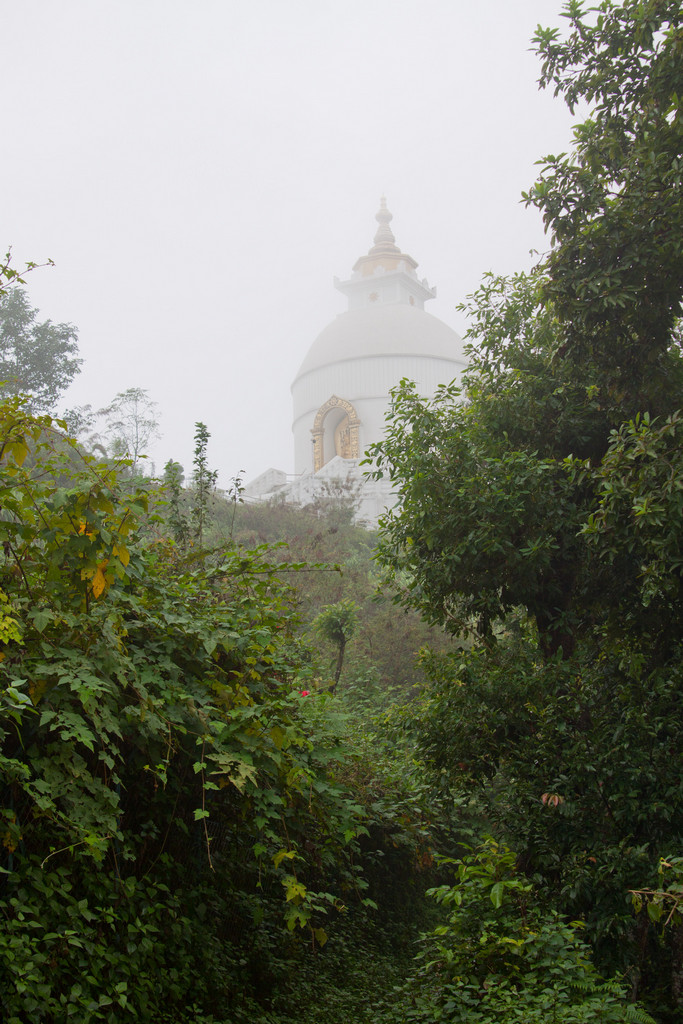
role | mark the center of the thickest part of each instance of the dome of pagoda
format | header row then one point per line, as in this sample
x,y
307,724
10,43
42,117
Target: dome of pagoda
x,y
341,392
388,331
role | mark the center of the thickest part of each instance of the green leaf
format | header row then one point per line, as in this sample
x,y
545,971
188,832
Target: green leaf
x,y
655,911
41,617
496,894
283,855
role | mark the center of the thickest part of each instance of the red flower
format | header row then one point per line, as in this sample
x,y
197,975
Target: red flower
x,y
305,693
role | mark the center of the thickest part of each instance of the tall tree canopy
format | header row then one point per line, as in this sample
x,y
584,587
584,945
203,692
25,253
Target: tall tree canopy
x,y
502,484
614,205
131,424
36,359
541,505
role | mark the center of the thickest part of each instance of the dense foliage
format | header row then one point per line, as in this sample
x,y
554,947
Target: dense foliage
x,y
540,513
500,956
198,824
613,206
384,650
192,826
185,822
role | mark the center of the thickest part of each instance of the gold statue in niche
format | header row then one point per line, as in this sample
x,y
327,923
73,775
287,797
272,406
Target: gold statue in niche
x,y
342,439
346,442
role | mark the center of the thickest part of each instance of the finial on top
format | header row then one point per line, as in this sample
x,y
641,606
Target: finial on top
x,y
384,253
384,236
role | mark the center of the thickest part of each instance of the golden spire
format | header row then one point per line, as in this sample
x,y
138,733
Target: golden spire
x,y
384,236
384,253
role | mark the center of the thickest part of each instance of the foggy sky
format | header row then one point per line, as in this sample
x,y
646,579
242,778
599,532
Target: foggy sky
x,y
200,171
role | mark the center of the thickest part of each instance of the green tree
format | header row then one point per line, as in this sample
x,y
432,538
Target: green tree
x,y
548,486
613,206
576,764
173,480
490,512
203,483
337,624
36,359
131,425
499,481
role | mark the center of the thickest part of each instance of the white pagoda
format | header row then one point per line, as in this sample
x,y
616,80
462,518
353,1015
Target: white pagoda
x,y
341,392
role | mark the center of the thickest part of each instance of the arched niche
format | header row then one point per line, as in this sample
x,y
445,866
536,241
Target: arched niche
x,y
335,432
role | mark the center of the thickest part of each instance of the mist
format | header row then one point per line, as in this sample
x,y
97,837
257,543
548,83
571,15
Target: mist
x,y
200,172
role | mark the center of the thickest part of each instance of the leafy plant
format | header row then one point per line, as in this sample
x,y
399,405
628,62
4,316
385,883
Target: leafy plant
x,y
499,956
337,624
203,484
151,724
